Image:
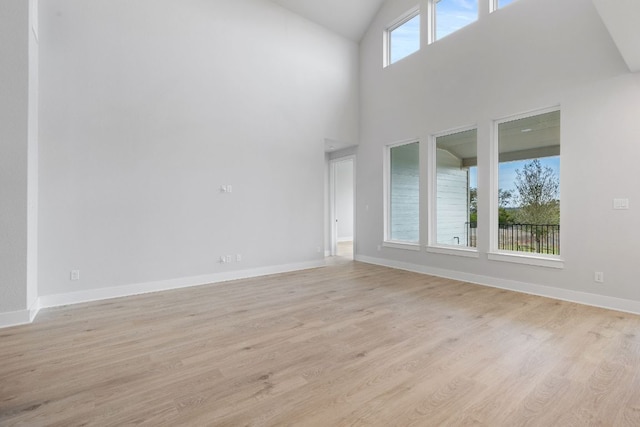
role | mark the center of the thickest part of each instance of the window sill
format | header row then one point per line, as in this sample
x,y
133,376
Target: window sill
x,y
520,258
453,250
405,246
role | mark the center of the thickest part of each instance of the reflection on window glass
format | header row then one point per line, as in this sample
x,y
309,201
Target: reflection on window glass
x,y
529,184
404,39
456,189
451,15
404,194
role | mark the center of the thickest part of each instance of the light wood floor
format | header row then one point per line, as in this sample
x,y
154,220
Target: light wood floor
x,y
350,344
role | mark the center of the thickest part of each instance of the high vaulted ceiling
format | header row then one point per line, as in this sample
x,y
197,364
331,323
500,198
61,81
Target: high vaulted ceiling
x,y
349,18
621,18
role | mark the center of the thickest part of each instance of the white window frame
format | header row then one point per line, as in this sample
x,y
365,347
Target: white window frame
x,y
432,214
495,254
398,22
387,242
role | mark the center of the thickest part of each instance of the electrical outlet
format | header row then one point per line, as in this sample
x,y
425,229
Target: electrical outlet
x,y
228,259
223,260
238,258
598,277
75,275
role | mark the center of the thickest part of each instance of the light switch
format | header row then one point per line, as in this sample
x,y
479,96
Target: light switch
x,y
620,204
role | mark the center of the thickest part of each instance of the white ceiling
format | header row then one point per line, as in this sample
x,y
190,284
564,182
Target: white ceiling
x,y
349,18
621,18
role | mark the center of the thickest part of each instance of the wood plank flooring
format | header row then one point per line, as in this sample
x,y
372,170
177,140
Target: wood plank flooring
x,y
348,344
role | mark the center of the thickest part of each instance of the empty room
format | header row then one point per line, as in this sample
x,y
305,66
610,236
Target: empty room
x,y
319,213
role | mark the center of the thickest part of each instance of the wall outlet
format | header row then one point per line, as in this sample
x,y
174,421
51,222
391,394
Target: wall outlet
x,y
223,259
238,258
598,277
228,259
75,275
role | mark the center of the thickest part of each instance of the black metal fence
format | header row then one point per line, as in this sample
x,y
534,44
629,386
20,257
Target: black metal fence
x,y
535,238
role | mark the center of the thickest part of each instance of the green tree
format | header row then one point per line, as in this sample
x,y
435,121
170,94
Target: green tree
x,y
538,192
473,204
504,201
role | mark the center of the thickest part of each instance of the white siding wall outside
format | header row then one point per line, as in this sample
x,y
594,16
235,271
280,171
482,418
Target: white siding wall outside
x,y
452,200
404,221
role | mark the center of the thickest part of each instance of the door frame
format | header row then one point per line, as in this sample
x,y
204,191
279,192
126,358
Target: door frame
x,y
333,205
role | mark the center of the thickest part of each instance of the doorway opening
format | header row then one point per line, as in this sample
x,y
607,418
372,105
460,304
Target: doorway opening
x,y
342,196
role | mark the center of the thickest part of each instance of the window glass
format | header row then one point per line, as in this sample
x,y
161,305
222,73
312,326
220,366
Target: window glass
x,y
456,189
404,194
404,39
502,3
529,184
452,15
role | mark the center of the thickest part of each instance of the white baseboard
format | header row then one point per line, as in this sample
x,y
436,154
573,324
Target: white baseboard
x,y
585,298
14,318
58,300
345,239
47,301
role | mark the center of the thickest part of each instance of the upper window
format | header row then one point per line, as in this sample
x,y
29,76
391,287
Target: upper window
x,y
502,3
403,38
452,15
529,184
456,183
403,200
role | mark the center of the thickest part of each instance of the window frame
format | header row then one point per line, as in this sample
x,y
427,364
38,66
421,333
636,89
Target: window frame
x,y
432,220
495,5
495,254
387,241
397,23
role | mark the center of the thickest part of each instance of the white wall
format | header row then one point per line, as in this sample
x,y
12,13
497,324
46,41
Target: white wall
x,y
14,105
18,161
529,55
147,107
344,199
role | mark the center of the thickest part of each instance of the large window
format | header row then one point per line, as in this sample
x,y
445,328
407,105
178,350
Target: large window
x,y
456,182
403,38
403,210
452,15
528,202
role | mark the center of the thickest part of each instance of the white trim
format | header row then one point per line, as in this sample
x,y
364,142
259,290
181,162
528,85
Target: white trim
x,y
48,301
402,245
21,317
34,310
333,228
455,251
527,259
14,318
494,167
585,298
